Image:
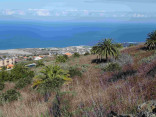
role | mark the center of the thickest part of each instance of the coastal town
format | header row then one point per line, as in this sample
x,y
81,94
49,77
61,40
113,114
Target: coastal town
x,y
8,58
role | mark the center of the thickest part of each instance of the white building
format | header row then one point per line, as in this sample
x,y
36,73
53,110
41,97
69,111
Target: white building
x,y
37,58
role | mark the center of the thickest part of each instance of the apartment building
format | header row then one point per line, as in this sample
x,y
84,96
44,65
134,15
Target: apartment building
x,y
7,62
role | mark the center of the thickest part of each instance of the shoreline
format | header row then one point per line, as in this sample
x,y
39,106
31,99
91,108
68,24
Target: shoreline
x,y
44,51
124,43
47,50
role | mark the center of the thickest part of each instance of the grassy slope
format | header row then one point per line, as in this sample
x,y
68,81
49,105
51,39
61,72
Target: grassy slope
x,y
93,89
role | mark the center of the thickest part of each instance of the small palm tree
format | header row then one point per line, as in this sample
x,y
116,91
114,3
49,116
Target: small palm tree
x,y
105,48
52,73
55,72
52,79
151,41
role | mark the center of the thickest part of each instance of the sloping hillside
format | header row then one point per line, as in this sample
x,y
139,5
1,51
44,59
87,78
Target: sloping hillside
x,y
94,91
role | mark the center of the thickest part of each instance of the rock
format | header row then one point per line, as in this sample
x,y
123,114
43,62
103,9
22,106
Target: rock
x,y
127,115
147,109
113,114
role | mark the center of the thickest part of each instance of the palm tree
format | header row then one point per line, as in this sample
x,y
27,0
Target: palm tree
x,y
105,48
52,79
151,41
55,72
52,73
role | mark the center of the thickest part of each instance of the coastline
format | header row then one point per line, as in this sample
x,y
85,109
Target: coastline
x,y
44,51
34,51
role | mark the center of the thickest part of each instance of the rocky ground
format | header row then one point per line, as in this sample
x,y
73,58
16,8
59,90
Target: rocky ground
x,y
147,109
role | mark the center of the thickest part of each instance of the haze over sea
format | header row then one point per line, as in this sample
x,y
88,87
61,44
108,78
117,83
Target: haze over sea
x,y
21,34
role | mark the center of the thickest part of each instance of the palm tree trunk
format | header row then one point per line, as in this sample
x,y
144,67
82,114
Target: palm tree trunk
x,y
101,57
46,96
97,59
56,110
106,57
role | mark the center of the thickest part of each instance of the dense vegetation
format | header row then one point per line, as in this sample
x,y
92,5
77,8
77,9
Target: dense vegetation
x,y
77,87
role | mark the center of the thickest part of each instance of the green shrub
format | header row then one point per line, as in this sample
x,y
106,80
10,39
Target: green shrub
x,y
2,86
152,72
123,59
20,71
30,59
130,45
4,68
62,59
87,53
84,67
112,67
66,57
23,83
64,66
9,96
40,63
122,75
74,71
76,55
148,59
119,45
4,76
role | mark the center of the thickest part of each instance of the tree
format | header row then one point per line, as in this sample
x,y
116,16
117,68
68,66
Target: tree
x,y
52,79
20,71
131,44
105,48
4,76
151,41
87,53
55,71
62,59
76,55
119,45
40,63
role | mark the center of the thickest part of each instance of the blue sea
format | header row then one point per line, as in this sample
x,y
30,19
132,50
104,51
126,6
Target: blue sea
x,y
38,34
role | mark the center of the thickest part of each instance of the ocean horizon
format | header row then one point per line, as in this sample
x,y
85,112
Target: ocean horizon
x,y
22,34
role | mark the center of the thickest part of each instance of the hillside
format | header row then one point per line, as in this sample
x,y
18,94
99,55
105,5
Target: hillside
x,y
94,91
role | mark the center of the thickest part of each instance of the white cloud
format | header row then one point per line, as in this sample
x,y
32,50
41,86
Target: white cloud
x,y
57,14
86,12
64,13
138,15
40,12
74,13
13,12
8,12
21,12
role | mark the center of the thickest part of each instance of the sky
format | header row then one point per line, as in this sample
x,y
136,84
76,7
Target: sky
x,y
79,10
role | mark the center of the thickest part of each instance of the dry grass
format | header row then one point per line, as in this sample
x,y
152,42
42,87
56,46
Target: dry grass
x,y
93,89
30,104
